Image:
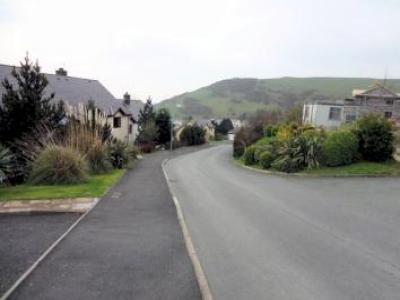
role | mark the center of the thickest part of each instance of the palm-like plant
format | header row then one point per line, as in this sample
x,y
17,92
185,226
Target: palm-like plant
x,y
6,163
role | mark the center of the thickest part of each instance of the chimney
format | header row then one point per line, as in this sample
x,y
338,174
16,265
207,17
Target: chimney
x,y
61,72
127,98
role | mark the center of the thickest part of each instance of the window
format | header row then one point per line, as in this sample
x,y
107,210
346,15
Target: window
x,y
389,101
351,117
335,113
388,114
117,122
130,128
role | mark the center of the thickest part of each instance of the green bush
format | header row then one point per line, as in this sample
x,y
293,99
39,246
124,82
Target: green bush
x,y
248,156
193,135
6,163
311,143
58,165
266,159
270,130
340,148
290,157
118,154
375,136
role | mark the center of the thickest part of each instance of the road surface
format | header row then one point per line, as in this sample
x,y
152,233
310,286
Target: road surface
x,y
273,237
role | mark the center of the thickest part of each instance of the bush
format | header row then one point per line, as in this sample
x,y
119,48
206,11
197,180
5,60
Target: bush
x,y
290,157
97,158
375,136
58,165
311,143
193,135
266,159
6,163
340,148
270,131
118,154
245,137
248,156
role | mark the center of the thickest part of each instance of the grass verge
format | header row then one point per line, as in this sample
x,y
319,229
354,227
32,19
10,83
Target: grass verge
x,y
360,169
355,169
96,186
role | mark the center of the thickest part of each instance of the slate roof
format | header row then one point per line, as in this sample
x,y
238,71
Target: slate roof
x,y
72,90
132,108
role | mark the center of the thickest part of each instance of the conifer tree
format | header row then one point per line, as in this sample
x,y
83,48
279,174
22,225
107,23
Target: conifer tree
x,y
25,103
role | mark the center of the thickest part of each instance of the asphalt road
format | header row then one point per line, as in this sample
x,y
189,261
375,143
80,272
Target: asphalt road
x,y
273,237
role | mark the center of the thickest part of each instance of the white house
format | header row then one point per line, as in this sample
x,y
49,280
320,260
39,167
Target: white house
x,y
377,99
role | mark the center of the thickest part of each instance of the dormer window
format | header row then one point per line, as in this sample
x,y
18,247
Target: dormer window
x,y
117,122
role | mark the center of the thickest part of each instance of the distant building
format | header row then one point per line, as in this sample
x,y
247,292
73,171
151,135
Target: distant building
x,y
378,99
120,114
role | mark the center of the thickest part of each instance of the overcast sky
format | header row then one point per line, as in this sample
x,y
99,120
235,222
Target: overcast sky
x,y
166,47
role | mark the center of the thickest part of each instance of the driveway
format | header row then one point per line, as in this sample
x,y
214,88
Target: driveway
x,y
130,246
269,237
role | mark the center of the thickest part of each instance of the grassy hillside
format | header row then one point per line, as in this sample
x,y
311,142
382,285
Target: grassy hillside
x,y
238,96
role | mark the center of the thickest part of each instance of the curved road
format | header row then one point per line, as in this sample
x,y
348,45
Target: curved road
x,y
269,237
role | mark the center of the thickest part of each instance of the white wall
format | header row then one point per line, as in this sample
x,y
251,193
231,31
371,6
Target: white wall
x,y
319,115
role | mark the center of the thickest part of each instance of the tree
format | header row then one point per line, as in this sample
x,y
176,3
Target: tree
x,y
193,135
224,127
146,123
163,123
26,104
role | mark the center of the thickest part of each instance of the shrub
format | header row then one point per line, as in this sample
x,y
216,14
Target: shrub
x,y
6,163
311,143
58,165
97,158
193,135
340,148
270,130
259,150
118,154
248,156
375,135
290,157
266,159
244,138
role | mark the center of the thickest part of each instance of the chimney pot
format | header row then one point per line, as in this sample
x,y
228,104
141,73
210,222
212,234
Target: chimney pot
x,y
61,72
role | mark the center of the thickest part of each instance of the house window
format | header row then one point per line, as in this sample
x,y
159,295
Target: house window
x,y
351,117
117,122
130,128
335,113
388,114
389,101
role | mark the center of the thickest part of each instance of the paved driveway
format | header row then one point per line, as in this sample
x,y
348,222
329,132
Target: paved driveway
x,y
130,246
269,237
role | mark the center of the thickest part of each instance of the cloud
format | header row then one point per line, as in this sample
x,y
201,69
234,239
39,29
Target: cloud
x,y
162,48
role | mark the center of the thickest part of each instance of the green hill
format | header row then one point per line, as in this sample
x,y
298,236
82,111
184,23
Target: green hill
x,y
238,96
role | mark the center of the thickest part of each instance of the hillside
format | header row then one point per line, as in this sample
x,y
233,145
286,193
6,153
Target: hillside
x,y
238,96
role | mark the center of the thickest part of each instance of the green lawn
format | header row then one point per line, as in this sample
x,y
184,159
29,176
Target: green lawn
x,y
359,168
95,187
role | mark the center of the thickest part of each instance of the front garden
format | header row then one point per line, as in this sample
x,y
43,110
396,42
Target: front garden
x,y
364,148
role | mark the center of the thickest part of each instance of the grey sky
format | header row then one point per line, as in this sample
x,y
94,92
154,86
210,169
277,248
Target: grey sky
x,y
163,48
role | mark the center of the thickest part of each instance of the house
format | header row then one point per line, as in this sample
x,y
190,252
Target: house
x,y
377,99
207,125
76,92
